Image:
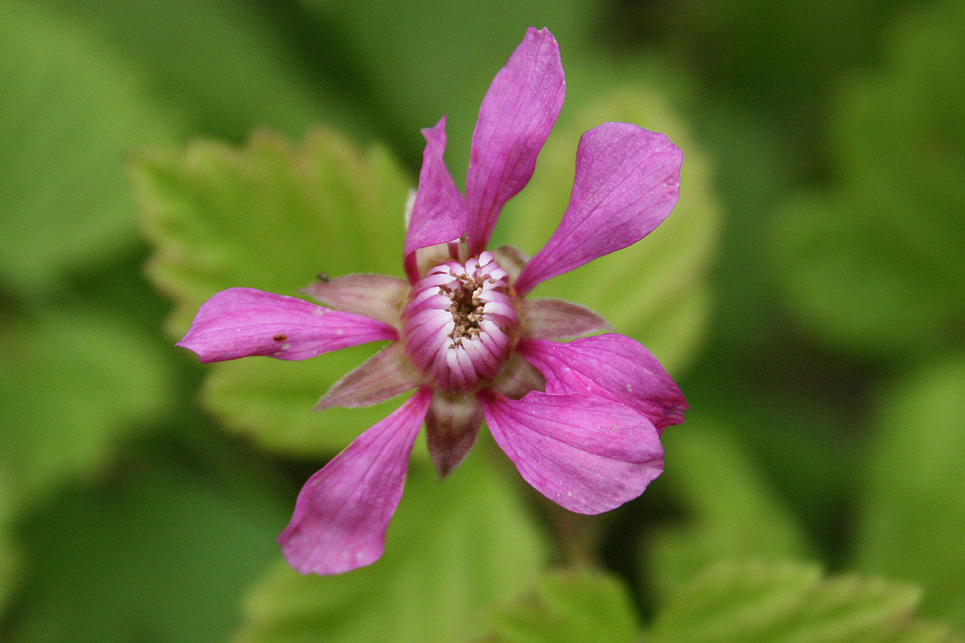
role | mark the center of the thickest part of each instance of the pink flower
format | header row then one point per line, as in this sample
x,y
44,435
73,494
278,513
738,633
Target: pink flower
x,y
580,419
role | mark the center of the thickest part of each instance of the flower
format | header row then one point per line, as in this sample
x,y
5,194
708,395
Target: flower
x,y
581,419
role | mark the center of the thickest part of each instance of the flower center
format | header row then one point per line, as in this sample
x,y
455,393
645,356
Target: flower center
x,y
459,324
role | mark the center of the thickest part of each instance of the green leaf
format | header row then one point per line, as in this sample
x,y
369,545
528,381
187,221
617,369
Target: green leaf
x,y
425,59
71,384
225,62
912,517
69,109
790,602
779,58
868,266
272,216
453,548
729,509
656,290
570,605
10,563
162,550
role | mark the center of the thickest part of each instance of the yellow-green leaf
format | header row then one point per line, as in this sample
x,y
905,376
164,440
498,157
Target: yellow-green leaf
x,y
756,602
912,513
272,216
575,605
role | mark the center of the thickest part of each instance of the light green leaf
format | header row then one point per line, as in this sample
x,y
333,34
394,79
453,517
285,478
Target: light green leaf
x,y
570,605
729,509
273,402
747,602
454,547
869,266
272,216
656,290
159,551
71,384
70,108
912,515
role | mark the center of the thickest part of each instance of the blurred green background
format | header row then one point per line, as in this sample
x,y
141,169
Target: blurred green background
x,y
806,294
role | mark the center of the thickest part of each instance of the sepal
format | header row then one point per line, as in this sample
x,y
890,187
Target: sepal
x,y
558,319
452,425
377,296
384,375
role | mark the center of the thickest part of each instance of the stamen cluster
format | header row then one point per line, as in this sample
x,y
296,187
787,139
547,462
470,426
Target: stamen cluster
x,y
458,328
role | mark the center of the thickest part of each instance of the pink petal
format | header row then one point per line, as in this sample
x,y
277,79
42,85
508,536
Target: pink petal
x,y
586,453
627,181
240,322
556,318
376,296
384,375
343,511
515,119
439,213
613,366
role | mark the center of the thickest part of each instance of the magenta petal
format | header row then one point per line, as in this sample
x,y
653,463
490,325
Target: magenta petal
x,y
627,182
515,119
612,366
240,322
343,511
439,213
586,453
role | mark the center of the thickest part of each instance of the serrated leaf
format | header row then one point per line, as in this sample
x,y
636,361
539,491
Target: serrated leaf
x,y
789,602
656,290
272,216
729,511
161,551
274,402
868,266
912,514
71,384
453,547
568,605
70,108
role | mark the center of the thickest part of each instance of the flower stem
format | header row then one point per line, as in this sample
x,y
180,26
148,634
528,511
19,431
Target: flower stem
x,y
576,536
